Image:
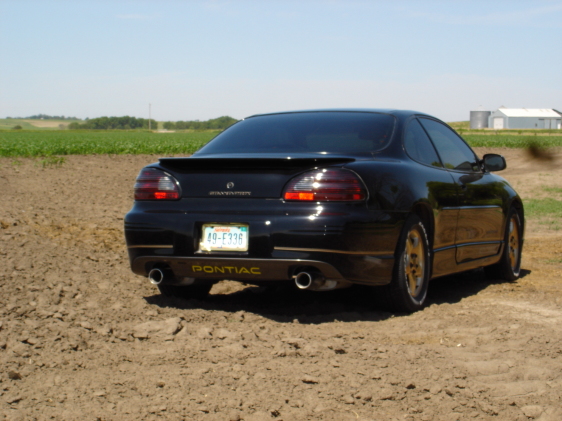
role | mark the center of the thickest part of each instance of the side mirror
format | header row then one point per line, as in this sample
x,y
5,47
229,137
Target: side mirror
x,y
494,162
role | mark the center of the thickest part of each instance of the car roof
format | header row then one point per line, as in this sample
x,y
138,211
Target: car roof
x,y
391,111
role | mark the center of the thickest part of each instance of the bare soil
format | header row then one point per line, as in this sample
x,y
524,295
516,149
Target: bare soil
x,y
82,338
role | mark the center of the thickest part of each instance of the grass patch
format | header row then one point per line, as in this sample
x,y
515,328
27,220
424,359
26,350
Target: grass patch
x,y
547,211
551,224
538,208
555,190
52,161
22,143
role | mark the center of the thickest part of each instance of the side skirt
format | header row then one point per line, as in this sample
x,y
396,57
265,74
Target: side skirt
x,y
445,262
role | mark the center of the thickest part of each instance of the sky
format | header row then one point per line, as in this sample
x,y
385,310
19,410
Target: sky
x,y
196,60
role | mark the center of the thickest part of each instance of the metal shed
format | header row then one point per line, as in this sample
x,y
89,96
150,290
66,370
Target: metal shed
x,y
525,118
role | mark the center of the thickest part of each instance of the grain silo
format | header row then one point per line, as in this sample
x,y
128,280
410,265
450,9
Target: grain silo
x,y
479,119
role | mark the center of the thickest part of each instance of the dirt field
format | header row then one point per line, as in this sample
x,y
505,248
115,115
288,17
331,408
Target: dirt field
x,y
82,338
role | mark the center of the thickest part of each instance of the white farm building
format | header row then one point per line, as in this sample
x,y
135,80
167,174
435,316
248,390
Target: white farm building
x,y
516,118
524,118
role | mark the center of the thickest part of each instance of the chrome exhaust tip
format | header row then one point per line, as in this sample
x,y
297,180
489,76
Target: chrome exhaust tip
x,y
315,281
156,276
309,280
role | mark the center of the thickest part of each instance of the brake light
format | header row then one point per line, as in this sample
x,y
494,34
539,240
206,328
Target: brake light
x,y
326,185
154,184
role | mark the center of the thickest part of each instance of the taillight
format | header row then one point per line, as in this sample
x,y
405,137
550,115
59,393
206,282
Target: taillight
x,y
154,184
326,185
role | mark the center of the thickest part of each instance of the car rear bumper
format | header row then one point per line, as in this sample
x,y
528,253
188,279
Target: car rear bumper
x,y
341,241
368,270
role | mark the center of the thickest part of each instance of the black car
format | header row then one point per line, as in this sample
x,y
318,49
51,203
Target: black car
x,y
326,199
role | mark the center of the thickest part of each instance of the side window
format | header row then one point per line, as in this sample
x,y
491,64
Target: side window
x,y
454,153
418,145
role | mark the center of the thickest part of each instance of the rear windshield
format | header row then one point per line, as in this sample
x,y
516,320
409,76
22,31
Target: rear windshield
x,y
331,132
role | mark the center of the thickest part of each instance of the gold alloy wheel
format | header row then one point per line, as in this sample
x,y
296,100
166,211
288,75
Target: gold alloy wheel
x,y
513,243
414,259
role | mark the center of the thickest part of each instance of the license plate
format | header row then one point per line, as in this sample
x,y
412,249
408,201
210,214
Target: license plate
x,y
224,238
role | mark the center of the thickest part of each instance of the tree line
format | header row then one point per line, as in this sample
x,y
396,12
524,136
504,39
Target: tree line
x,y
114,123
44,117
219,123
130,123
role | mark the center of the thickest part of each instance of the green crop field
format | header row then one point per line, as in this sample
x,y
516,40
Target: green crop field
x,y
512,140
43,143
23,143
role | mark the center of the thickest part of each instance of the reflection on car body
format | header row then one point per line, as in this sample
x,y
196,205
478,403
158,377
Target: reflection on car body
x,y
326,199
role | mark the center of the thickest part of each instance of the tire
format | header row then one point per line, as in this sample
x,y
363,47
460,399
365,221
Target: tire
x,y
408,290
509,266
185,292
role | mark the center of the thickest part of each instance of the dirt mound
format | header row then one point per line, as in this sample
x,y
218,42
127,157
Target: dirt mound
x,y
81,337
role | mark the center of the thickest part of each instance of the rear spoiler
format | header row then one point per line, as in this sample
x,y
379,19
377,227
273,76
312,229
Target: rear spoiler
x,y
193,163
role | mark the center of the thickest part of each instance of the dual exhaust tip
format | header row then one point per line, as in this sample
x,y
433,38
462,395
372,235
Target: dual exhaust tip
x,y
305,280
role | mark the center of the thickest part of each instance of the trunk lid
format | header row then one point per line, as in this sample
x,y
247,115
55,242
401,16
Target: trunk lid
x,y
242,177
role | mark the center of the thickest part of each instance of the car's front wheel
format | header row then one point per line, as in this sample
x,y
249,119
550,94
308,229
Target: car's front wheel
x,y
185,291
408,290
